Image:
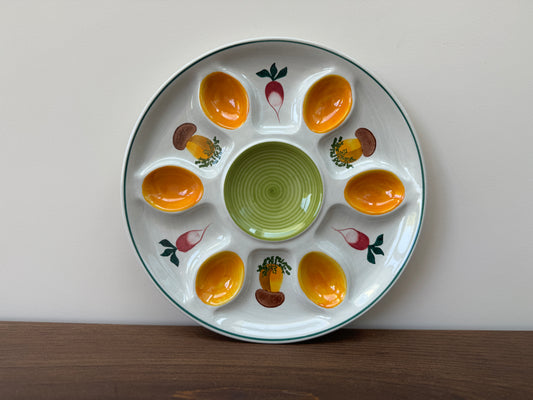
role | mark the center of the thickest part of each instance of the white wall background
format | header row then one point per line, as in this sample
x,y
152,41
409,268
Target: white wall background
x,y
75,75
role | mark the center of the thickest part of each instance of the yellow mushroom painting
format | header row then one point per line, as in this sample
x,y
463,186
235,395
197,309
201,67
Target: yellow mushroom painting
x,y
206,151
271,273
344,152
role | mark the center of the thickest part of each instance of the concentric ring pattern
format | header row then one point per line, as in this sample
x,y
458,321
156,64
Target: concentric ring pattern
x,y
273,191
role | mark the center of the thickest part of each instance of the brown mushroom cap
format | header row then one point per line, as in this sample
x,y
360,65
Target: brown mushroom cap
x,y
182,134
269,299
368,141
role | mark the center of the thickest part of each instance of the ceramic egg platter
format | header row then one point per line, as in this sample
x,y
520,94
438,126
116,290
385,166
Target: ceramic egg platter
x,y
286,279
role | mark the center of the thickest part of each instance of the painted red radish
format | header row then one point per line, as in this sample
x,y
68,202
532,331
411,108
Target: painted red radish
x,y
354,238
274,90
190,239
184,243
359,241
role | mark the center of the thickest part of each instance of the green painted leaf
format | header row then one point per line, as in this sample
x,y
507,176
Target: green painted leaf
x,y
263,73
273,263
378,250
379,240
167,243
273,71
174,259
167,252
281,74
370,256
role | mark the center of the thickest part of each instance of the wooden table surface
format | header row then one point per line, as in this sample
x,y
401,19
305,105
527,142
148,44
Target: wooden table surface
x,y
89,361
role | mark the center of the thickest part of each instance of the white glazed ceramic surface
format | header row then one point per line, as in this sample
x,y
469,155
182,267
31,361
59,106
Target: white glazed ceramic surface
x,y
373,108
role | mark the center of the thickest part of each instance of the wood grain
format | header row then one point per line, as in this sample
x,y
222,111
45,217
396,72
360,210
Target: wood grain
x,y
85,361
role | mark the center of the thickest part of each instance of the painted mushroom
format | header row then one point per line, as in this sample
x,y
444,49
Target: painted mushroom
x,y
206,151
345,152
271,273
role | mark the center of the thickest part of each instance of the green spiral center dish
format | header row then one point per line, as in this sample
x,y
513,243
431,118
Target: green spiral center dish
x,y
273,191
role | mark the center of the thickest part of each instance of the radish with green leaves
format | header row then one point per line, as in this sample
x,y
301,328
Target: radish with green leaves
x,y
273,90
360,241
184,243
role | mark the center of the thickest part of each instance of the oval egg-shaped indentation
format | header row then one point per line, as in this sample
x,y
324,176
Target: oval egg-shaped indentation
x,y
322,279
374,192
224,100
220,278
172,188
327,103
